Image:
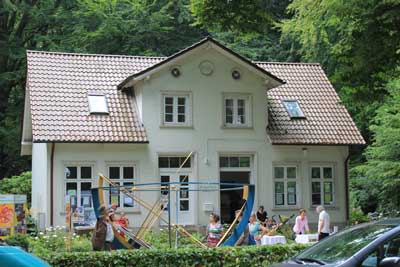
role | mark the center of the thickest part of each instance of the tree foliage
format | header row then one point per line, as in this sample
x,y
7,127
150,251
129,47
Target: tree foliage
x,y
20,184
357,42
382,169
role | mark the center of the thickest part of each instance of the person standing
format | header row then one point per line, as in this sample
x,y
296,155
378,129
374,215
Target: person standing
x,y
261,215
100,230
301,225
110,231
254,230
214,231
323,223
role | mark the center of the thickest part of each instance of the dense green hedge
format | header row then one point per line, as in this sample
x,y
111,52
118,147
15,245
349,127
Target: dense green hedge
x,y
229,256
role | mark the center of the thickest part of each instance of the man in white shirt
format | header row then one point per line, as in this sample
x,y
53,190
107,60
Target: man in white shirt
x,y
323,223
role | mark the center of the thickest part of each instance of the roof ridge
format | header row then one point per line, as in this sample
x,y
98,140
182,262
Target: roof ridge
x,y
287,63
89,54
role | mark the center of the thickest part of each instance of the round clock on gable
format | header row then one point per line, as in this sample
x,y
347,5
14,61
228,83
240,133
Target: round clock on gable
x,y
206,68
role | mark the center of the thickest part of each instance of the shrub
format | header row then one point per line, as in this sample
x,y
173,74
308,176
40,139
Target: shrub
x,y
17,185
227,256
54,241
18,240
357,216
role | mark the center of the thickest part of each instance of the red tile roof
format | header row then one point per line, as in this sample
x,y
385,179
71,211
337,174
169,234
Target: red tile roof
x,y
59,83
327,121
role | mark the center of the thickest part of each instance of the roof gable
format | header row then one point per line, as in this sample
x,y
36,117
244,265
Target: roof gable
x,y
206,43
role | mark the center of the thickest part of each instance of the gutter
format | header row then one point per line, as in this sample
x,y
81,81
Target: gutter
x,y
346,183
53,145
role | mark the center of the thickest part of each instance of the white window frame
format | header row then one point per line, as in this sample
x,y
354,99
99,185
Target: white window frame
x,y
78,180
188,109
321,181
285,181
235,119
121,181
93,109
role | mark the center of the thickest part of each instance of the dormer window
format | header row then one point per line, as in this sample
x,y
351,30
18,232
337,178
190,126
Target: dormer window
x,y
97,104
293,109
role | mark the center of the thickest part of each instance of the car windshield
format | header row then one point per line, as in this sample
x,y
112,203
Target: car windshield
x,y
343,245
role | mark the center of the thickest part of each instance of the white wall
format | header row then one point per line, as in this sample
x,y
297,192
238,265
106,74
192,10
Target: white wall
x,y
207,138
41,180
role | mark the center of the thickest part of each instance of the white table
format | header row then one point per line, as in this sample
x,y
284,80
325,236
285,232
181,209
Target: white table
x,y
307,238
271,240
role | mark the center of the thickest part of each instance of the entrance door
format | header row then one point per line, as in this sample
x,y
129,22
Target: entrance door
x,y
233,170
182,200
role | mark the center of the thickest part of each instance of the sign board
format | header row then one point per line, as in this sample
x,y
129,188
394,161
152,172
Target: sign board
x,y
12,214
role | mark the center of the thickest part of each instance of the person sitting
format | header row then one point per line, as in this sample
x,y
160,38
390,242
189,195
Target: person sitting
x,y
261,215
254,229
214,231
123,220
301,225
244,237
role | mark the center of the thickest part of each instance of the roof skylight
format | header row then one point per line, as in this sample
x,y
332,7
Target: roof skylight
x,y
98,104
293,108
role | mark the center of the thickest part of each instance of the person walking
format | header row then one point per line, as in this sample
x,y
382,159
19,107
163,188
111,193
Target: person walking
x,y
100,231
214,231
323,223
301,225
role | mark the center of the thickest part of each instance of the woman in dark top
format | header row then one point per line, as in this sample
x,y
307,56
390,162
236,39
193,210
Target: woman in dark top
x,y
261,215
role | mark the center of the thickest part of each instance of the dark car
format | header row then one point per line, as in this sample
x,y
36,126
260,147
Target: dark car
x,y
365,245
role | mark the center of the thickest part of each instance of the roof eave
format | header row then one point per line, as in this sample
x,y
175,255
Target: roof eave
x,y
146,72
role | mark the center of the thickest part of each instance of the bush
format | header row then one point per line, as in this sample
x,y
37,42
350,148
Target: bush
x,y
54,240
18,240
357,216
18,185
227,256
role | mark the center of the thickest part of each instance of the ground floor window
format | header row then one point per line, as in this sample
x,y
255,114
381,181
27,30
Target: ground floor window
x,y
285,185
322,187
78,185
124,175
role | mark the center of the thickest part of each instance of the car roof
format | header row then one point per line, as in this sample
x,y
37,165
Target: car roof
x,y
15,256
389,221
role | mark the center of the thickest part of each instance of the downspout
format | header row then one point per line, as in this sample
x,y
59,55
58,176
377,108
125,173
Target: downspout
x,y
346,182
52,184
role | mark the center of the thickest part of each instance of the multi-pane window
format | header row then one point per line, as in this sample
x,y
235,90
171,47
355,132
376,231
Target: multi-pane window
x,y
78,185
124,176
322,185
184,193
285,185
176,109
236,111
234,162
173,162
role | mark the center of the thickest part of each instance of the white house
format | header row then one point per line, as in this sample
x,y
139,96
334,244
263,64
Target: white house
x,y
280,126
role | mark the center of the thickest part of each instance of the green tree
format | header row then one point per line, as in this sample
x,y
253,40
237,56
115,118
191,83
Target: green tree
x,y
20,184
382,169
357,42
133,27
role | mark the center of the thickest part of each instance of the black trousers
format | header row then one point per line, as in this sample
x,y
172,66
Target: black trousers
x,y
322,236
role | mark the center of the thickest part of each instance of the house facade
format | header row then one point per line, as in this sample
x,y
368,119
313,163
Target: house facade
x,y
279,126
